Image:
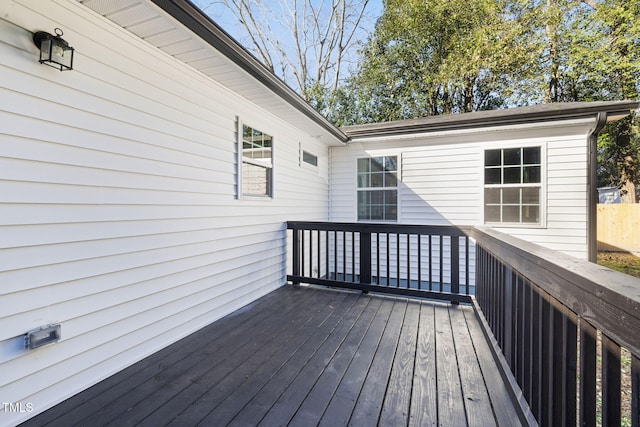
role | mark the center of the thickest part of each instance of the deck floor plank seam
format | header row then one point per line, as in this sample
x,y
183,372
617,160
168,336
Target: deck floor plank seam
x,y
451,410
475,395
395,409
314,404
424,397
501,403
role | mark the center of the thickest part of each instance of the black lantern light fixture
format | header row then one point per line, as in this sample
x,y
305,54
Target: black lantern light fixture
x,y
54,50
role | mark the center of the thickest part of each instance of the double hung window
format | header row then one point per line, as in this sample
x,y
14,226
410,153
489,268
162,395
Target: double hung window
x,y
378,188
513,185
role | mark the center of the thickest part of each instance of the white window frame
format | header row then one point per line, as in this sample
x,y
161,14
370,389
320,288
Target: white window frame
x,y
542,185
241,160
383,188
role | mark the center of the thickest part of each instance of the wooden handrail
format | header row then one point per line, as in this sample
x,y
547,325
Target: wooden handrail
x,y
608,299
546,312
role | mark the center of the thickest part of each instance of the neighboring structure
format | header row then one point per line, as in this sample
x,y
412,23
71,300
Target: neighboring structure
x,y
143,194
608,195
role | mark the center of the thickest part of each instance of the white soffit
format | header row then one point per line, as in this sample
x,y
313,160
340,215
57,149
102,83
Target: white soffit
x,y
150,23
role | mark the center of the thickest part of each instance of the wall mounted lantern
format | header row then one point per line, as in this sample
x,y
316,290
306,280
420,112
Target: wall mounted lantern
x,y
54,50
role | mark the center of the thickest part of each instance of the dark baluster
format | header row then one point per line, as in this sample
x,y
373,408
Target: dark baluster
x,y
419,261
587,374
635,391
365,257
569,368
455,265
296,254
610,382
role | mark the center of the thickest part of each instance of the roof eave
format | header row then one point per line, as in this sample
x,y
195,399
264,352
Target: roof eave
x,y
195,20
496,118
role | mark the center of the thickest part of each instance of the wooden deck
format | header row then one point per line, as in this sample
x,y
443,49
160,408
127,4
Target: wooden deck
x,y
307,356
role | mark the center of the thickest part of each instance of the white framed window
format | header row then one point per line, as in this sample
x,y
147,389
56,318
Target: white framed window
x,y
378,188
256,160
513,186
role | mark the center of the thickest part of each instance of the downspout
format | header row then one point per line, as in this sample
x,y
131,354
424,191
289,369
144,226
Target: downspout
x,y
592,188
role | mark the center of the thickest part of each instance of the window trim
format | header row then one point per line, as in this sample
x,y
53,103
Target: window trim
x,y
241,160
369,189
542,185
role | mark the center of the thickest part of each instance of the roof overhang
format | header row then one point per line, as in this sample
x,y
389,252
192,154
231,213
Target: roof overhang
x,y
183,31
532,115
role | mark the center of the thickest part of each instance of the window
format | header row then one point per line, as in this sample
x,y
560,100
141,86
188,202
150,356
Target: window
x,y
378,189
309,158
257,162
513,185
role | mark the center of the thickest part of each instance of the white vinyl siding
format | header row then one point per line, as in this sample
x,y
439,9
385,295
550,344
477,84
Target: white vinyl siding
x,y
442,180
118,197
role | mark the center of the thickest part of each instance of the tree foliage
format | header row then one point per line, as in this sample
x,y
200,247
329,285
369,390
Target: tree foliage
x,y
429,57
438,57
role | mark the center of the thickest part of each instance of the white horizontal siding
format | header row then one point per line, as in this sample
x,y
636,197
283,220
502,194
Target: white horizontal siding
x,y
118,197
442,180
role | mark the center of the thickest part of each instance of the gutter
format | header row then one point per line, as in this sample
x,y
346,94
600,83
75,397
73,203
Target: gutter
x,y
200,24
482,119
592,191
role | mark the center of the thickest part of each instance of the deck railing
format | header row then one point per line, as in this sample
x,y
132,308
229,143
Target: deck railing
x,y
548,312
427,261
565,332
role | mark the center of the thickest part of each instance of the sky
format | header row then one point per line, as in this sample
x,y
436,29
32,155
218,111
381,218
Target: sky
x,y
220,14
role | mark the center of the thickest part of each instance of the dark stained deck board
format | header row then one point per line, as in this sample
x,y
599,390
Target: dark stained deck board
x,y
476,397
395,409
503,407
228,376
344,399
451,410
308,356
243,394
267,396
224,352
424,399
90,401
369,404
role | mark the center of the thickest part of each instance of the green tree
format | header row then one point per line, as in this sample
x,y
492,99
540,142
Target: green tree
x,y
438,57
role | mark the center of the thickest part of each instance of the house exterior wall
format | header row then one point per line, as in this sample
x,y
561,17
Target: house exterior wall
x,y
118,203
442,178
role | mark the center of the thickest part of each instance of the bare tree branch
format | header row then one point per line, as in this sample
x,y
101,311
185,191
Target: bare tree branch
x,y
306,40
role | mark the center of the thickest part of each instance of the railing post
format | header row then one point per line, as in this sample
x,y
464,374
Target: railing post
x,y
365,257
455,266
296,254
